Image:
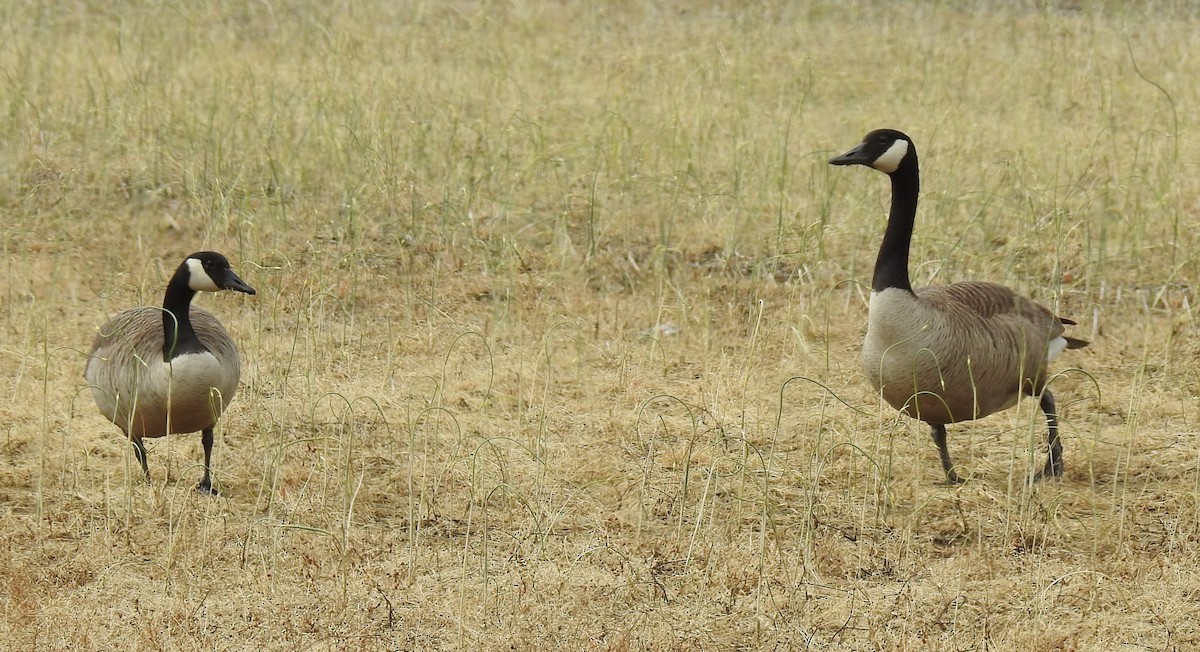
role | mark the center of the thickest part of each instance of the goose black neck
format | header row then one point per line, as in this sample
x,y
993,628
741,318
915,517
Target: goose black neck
x,y
179,338
891,266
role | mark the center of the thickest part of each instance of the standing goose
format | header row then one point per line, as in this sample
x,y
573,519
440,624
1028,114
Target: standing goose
x,y
155,372
953,352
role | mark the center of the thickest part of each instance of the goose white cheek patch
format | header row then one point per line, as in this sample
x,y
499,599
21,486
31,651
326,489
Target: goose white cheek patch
x,y
198,279
890,160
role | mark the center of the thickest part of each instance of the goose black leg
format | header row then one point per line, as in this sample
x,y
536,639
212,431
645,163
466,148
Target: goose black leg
x,y
205,486
139,451
939,438
1054,463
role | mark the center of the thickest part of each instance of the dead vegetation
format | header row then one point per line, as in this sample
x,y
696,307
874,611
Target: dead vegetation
x,y
556,339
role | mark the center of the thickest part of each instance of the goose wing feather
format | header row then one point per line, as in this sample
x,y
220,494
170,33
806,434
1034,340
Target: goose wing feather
x,y
973,303
960,351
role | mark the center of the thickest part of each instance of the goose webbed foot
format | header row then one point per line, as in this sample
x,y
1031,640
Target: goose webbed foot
x,y
1054,459
1054,466
139,451
939,438
205,487
1046,474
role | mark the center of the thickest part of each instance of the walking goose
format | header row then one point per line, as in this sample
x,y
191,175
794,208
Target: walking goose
x,y
155,371
953,352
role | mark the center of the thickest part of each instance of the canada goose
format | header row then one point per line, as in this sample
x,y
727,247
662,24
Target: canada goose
x,y
155,372
953,352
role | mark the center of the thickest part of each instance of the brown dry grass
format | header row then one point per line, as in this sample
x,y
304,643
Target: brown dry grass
x,y
463,423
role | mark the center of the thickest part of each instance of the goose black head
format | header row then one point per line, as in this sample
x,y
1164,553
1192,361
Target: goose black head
x,y
209,271
886,150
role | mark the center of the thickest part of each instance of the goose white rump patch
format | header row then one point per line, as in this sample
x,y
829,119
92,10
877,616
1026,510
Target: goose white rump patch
x,y
1057,346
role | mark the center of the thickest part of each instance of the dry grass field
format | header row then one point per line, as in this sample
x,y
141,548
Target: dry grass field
x,y
559,309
